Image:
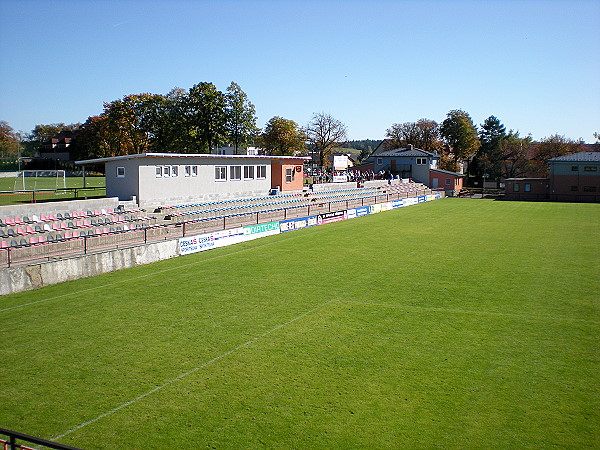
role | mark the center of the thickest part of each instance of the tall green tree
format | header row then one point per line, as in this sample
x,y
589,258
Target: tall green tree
x,y
241,126
460,134
324,133
206,117
282,137
487,162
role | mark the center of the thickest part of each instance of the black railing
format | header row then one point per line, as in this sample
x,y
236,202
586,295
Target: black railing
x,y
12,438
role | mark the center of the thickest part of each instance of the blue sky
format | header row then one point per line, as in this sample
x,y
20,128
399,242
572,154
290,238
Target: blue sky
x,y
533,64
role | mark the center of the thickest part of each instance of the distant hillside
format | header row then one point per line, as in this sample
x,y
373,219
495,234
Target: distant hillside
x,y
359,149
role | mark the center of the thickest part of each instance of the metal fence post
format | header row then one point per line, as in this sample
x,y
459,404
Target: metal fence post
x,y
85,244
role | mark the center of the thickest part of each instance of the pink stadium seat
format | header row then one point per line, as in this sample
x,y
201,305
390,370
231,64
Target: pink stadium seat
x,y
64,226
20,231
4,244
19,221
29,230
97,213
44,218
41,239
86,223
10,222
33,240
104,230
75,234
98,231
56,226
68,235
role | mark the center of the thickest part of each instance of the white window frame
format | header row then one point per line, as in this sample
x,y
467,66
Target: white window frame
x,y
421,161
248,172
220,173
261,172
120,172
194,171
166,171
235,173
289,174
158,171
187,171
174,171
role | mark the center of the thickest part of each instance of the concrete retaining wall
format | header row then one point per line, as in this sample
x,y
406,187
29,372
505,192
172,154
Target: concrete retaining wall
x,y
17,279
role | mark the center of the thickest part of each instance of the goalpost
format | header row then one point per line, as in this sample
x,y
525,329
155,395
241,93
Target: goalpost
x,y
40,179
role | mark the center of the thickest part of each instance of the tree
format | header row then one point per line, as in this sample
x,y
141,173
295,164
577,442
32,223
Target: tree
x,y
324,133
487,162
282,137
423,134
9,140
461,135
205,114
241,117
515,155
553,147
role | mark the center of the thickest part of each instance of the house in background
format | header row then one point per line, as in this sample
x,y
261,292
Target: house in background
x,y
573,178
451,182
58,147
406,162
175,178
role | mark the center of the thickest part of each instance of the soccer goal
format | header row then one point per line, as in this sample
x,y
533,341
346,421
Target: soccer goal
x,y
40,179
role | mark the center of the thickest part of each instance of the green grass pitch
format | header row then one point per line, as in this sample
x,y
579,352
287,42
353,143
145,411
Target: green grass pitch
x,y
456,323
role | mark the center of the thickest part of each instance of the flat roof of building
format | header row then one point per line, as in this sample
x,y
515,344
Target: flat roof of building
x,y
578,157
185,155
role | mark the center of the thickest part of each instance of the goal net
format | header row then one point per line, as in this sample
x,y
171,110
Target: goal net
x,y
28,180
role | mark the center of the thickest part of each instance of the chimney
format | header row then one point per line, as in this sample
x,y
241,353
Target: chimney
x,y
409,147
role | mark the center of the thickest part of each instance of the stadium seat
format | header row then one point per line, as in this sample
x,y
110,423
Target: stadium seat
x,y
41,239
4,244
33,240
10,222
20,231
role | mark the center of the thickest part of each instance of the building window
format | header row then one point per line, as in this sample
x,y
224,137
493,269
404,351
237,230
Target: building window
x,y
516,187
527,187
174,171
421,161
194,171
166,171
589,189
380,161
187,171
120,172
158,171
574,168
220,173
289,175
235,172
447,181
574,188
590,169
261,172
248,172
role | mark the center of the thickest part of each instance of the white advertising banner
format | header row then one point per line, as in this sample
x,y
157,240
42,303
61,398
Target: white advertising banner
x,y
340,162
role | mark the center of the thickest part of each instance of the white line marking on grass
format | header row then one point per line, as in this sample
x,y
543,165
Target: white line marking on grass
x,y
466,311
189,372
81,291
